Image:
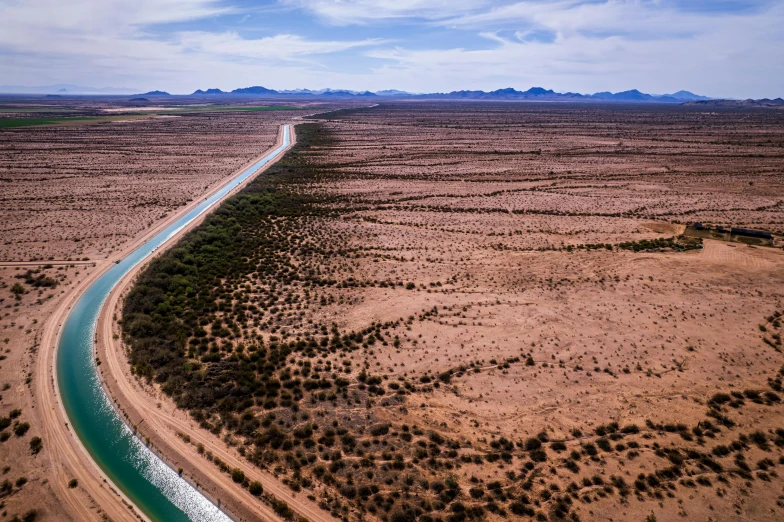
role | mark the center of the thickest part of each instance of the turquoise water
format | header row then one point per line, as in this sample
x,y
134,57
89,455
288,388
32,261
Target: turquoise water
x,y
146,480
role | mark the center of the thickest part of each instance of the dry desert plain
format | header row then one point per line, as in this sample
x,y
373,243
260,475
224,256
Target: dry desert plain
x,y
450,310
77,192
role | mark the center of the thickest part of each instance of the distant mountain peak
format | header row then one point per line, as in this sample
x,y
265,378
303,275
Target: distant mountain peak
x,y
506,93
539,91
633,95
256,89
392,92
686,96
338,93
208,91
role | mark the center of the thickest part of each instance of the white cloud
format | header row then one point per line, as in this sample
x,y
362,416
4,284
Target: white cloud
x,y
111,42
613,45
279,47
653,45
101,16
344,12
640,19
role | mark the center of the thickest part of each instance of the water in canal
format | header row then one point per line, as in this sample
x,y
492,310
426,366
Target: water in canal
x,y
148,482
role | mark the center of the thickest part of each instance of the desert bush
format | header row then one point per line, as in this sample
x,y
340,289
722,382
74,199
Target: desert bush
x,y
36,445
237,475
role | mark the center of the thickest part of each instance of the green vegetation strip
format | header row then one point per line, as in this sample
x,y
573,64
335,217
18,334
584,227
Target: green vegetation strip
x,y
270,108
33,109
194,108
9,123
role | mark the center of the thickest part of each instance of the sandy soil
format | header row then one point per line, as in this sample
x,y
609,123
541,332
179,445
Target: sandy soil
x,y
85,191
31,232
476,207
457,203
614,336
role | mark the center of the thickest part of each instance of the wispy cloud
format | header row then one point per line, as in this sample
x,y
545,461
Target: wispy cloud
x,y
344,12
638,19
120,38
613,44
722,48
278,47
105,16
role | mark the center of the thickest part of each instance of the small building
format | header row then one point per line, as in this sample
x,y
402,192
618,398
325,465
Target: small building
x,y
698,226
751,233
720,228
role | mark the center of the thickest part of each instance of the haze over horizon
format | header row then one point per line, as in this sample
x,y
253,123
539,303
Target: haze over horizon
x,y
727,48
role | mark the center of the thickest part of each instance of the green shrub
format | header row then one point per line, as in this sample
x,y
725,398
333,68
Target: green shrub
x,y
255,488
237,475
36,445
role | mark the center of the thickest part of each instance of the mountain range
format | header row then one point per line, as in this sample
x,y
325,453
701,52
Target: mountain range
x,y
534,93
263,91
509,93
764,102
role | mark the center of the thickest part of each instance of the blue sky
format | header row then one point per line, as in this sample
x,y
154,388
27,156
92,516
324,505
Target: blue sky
x,y
729,48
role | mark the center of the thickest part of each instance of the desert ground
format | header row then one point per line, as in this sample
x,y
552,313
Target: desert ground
x,y
440,311
493,312
77,193
84,188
